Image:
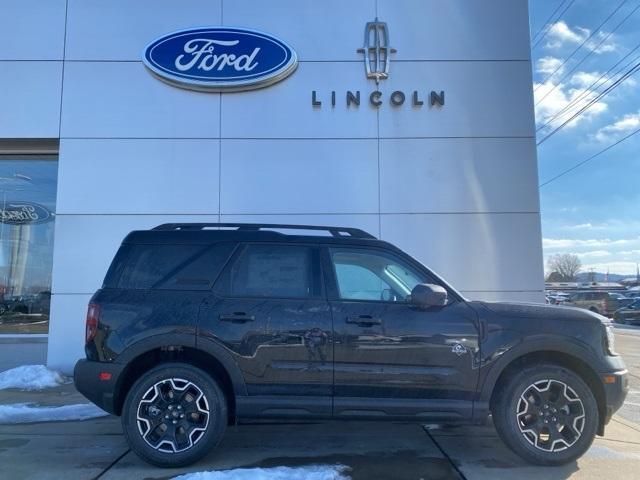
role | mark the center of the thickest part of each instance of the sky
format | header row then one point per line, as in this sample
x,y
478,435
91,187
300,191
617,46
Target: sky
x,y
594,210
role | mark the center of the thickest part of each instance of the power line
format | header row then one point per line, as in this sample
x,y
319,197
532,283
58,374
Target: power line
x,y
590,89
589,54
577,165
547,21
594,31
627,74
551,24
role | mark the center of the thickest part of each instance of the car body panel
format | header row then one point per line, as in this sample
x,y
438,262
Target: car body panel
x,y
299,358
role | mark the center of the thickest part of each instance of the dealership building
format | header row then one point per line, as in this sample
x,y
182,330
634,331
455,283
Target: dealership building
x,y
410,119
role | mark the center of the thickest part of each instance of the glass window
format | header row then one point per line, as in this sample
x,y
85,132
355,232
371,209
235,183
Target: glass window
x,y
283,271
373,275
27,212
173,267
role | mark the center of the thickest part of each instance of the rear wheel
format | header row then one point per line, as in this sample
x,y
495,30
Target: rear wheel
x,y
546,414
174,415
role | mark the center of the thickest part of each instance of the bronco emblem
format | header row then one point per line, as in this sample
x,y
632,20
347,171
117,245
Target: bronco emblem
x,y
459,349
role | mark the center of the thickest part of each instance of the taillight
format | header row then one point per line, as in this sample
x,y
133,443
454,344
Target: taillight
x,y
93,315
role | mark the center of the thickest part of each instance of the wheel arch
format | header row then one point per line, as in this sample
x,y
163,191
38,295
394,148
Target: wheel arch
x,y
208,356
569,355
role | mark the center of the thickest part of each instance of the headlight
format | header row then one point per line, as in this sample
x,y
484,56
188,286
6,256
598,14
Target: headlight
x,y
610,340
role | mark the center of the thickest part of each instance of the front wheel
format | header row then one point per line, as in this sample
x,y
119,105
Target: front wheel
x,y
174,415
546,414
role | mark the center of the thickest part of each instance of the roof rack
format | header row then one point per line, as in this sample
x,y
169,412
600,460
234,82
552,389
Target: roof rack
x,y
254,227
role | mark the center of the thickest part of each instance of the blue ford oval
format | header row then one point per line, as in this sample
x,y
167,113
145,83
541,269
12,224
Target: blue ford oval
x,y
220,59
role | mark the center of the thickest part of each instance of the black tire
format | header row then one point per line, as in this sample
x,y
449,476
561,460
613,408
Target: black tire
x,y
172,399
514,411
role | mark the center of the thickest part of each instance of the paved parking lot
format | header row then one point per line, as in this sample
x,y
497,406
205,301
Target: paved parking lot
x,y
96,448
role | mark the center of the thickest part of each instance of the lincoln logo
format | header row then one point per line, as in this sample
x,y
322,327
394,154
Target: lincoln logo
x,y
220,59
377,63
376,50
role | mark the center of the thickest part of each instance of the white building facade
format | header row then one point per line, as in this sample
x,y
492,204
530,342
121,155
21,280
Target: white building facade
x,y
108,147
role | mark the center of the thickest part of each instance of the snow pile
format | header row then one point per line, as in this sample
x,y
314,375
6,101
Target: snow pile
x,y
311,472
30,413
31,377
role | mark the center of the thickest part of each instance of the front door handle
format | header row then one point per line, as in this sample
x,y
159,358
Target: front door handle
x,y
364,320
236,317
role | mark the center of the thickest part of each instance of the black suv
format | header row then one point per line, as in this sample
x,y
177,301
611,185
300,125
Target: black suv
x,y
199,326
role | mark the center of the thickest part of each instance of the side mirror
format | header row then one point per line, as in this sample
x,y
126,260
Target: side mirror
x,y
427,295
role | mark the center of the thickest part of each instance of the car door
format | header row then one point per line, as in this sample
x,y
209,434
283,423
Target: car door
x,y
269,309
391,358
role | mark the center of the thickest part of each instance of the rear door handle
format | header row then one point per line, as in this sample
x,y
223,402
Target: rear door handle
x,y
236,317
364,320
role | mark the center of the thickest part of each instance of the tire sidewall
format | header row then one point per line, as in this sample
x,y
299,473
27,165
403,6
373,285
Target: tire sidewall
x,y
506,422
217,414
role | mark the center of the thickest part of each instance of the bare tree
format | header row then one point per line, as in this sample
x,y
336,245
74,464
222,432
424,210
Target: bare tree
x,y
564,266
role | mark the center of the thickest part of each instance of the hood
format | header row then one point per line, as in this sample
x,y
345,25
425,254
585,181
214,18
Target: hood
x,y
542,312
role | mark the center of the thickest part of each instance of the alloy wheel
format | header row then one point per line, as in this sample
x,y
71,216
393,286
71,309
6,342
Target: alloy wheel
x,y
173,415
550,415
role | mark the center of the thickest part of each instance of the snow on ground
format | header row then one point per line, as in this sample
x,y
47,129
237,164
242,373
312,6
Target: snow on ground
x,y
311,472
31,377
30,413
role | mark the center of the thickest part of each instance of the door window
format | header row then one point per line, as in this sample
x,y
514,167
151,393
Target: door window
x,y
373,275
283,271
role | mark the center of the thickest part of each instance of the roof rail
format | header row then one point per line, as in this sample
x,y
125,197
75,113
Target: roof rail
x,y
334,231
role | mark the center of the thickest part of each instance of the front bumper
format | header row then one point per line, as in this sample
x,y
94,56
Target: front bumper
x,y
616,387
98,382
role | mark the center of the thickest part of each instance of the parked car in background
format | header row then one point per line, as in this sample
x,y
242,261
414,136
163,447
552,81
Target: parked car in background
x,y
558,298
604,303
629,314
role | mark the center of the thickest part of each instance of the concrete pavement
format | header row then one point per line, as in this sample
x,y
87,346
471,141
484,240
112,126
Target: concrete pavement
x,y
628,345
97,449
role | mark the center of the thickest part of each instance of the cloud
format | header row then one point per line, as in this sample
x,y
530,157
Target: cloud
x,y
556,94
594,254
619,128
580,226
621,268
560,35
548,65
608,44
552,97
566,243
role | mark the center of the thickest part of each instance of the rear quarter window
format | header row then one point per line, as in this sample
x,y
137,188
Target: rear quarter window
x,y
173,267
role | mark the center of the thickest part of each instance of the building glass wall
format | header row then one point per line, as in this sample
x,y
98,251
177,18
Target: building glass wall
x,y
27,214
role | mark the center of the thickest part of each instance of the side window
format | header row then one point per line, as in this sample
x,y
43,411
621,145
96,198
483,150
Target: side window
x,y
173,267
261,270
373,275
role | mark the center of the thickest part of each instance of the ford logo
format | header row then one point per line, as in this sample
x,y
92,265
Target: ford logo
x,y
24,213
220,59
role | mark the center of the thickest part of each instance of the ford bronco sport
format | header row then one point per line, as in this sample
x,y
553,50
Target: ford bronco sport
x,y
199,326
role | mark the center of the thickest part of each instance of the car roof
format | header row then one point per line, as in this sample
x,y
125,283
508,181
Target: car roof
x,y
207,233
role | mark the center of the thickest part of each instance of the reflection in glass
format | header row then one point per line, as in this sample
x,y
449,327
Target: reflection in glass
x,y
27,206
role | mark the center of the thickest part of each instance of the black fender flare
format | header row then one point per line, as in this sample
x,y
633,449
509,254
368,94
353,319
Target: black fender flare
x,y
528,345
177,340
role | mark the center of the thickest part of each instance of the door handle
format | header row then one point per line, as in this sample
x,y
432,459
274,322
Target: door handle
x,y
236,317
364,320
